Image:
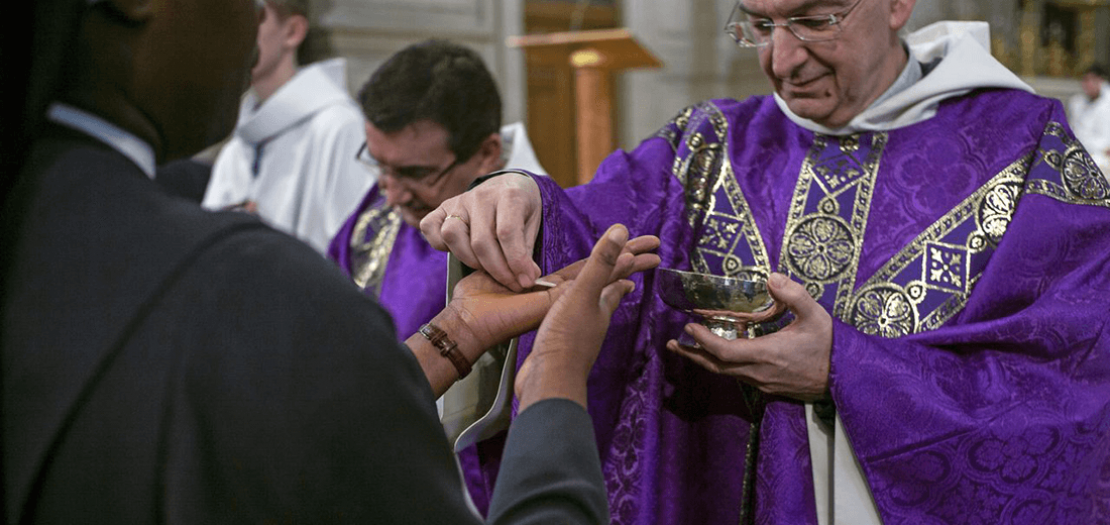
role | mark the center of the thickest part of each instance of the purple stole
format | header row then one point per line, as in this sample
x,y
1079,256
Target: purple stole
x,y
390,260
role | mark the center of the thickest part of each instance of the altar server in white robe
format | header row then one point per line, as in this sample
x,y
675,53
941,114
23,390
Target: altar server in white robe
x,y
1089,116
291,159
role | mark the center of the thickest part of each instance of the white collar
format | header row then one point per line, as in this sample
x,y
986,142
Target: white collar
x,y
130,146
955,60
911,74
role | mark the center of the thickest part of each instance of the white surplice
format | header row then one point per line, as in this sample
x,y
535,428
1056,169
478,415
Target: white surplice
x,y
294,156
1090,121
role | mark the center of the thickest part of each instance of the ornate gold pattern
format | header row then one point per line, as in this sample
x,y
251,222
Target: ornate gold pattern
x,y
369,256
922,286
885,310
940,267
697,172
728,242
946,267
823,241
996,212
1080,182
673,130
725,228
822,248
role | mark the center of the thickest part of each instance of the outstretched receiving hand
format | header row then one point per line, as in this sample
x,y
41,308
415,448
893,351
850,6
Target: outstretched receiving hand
x,y
494,313
483,312
570,336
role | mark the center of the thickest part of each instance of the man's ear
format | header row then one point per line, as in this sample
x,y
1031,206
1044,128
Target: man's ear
x,y
296,29
490,153
900,11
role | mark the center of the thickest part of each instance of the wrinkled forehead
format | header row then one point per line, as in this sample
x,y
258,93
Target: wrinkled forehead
x,y
791,7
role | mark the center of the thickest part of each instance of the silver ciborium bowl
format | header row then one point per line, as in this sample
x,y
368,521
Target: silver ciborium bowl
x,y
719,301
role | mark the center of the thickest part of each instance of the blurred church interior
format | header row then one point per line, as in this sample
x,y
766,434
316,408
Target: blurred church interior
x,y
1048,42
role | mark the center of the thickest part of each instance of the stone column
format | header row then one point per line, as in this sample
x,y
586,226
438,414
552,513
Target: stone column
x,y
699,62
1004,17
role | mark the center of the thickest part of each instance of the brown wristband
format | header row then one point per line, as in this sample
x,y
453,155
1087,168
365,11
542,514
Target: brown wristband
x,y
447,347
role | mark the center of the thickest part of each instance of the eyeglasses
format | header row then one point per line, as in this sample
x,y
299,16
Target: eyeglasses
x,y
412,174
757,32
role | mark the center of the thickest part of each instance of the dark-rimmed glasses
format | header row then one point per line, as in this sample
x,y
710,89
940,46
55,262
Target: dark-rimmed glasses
x,y
749,31
413,174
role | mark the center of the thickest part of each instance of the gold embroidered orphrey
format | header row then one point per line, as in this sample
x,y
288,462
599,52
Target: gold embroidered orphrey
x,y
1080,182
941,266
937,270
713,197
822,247
919,288
369,257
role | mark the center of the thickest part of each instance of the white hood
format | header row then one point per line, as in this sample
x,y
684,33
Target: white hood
x,y
956,59
313,88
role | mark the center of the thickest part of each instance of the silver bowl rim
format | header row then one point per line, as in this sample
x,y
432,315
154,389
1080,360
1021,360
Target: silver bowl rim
x,y
712,276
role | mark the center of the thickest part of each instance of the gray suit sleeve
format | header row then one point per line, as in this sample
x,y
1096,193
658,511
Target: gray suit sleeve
x,y
550,472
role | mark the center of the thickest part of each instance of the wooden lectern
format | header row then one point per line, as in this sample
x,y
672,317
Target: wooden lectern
x,y
593,56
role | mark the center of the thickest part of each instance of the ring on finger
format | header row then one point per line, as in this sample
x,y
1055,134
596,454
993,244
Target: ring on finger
x,y
456,217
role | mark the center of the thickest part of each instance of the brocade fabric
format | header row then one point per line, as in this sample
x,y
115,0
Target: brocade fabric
x,y
375,238
964,260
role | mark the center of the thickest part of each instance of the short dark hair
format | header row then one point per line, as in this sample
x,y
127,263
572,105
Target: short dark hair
x,y
439,81
1096,70
287,8
315,45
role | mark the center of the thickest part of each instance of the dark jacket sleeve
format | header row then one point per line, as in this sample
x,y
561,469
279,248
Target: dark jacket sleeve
x,y
550,472
293,401
304,407
167,365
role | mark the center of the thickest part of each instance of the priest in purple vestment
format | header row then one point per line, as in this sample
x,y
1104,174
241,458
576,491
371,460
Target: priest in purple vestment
x,y
433,126
433,115
940,240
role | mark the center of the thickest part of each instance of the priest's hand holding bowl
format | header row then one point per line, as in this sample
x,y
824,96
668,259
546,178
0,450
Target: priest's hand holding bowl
x,y
792,362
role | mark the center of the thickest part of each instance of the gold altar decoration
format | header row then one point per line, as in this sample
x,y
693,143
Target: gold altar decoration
x,y
1042,49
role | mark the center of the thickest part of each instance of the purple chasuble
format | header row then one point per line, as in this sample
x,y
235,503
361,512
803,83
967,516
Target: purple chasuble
x,y
964,261
391,260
